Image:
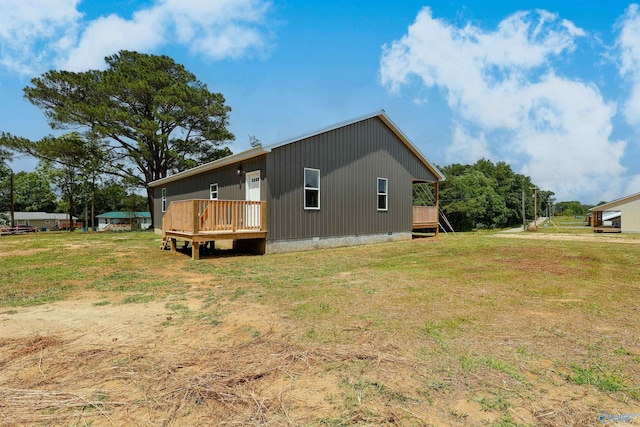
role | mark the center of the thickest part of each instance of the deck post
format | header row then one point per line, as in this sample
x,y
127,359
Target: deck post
x,y
437,210
195,251
263,216
234,218
196,218
173,244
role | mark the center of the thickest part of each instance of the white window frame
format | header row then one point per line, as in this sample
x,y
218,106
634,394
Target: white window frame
x,y
311,188
384,193
212,191
164,199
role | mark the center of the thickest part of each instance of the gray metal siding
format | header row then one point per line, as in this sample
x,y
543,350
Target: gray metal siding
x,y
230,185
350,160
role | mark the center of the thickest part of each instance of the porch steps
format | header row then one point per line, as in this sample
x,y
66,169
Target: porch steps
x,y
165,241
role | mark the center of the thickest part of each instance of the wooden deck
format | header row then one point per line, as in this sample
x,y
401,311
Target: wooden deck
x,y
425,217
203,221
599,225
607,229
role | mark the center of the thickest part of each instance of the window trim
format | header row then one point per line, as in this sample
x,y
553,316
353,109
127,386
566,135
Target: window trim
x,y
316,208
384,193
164,199
211,191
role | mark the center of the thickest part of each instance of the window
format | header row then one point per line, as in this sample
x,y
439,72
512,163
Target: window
x,y
382,194
311,188
164,200
213,191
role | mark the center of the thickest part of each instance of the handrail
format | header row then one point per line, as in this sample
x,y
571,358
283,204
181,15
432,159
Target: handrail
x,y
199,215
425,215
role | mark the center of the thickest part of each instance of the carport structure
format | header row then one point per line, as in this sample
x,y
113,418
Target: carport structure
x,y
619,216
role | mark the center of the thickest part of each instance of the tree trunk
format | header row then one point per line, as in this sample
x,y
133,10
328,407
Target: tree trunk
x,y
72,225
150,203
12,202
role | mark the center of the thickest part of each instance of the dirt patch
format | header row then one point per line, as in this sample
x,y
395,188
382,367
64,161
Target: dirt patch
x,y
76,320
73,362
138,364
570,237
21,252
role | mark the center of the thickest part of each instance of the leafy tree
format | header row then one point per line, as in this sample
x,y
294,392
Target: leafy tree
x,y
73,161
546,202
5,177
488,195
155,115
33,191
109,197
68,154
469,200
571,208
112,196
254,141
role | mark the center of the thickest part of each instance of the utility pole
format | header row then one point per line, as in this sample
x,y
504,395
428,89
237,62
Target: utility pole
x,y
535,208
13,205
524,218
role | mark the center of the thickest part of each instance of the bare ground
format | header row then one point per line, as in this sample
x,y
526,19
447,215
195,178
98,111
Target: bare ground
x,y
74,363
78,362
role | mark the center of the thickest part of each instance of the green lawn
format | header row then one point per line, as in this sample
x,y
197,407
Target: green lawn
x,y
465,329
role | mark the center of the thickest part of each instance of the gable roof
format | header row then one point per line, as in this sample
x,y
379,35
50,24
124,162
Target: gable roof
x,y
39,216
124,215
616,203
258,151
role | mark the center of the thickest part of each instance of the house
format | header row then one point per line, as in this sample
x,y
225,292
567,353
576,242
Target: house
x,y
349,183
622,215
124,221
43,220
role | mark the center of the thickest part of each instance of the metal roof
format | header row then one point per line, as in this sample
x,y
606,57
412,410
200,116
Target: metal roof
x,y
38,216
616,203
258,151
611,215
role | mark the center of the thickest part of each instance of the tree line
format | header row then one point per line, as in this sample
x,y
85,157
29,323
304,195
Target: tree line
x,y
487,195
46,190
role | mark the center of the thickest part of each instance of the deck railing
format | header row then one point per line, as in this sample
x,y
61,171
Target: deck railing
x,y
198,216
426,216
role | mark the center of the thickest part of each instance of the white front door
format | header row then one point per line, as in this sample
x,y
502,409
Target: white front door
x,y
252,184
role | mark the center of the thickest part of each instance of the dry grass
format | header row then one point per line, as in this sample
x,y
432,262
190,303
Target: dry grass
x,y
463,330
244,384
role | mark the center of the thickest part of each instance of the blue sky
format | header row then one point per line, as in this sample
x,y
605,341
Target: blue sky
x,y
552,88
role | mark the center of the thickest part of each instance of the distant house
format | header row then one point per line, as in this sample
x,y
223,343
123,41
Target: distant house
x,y
43,220
124,221
618,216
349,183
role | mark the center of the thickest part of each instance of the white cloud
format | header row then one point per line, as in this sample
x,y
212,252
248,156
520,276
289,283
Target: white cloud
x,y
503,83
39,34
108,35
34,32
632,186
466,148
629,46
